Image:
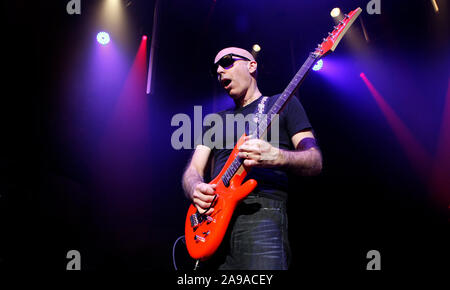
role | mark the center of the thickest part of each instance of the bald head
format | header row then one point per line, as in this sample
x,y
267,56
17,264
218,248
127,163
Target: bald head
x,y
235,50
239,77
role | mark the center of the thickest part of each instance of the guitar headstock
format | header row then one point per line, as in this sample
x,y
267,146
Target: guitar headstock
x,y
334,37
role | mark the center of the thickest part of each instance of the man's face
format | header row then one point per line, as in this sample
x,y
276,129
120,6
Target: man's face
x,y
237,78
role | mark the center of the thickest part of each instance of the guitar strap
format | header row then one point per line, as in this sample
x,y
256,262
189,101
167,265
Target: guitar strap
x,y
258,114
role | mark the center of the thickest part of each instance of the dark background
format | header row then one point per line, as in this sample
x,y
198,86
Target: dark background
x,y
368,196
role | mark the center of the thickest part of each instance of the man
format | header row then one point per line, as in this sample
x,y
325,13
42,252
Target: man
x,y
257,235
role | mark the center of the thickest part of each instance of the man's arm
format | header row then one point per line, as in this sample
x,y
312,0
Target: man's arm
x,y
201,194
306,160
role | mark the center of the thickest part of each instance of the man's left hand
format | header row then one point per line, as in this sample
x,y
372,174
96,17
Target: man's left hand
x,y
259,153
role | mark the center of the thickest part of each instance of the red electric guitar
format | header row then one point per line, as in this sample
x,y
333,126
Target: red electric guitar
x,y
204,233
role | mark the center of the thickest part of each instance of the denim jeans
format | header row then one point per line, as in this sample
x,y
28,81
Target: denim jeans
x,y
257,237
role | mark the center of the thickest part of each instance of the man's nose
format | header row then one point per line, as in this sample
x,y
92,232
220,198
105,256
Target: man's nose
x,y
220,69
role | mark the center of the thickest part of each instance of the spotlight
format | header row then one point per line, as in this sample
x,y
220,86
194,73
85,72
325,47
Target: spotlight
x,y
335,12
256,48
103,38
144,37
435,6
318,65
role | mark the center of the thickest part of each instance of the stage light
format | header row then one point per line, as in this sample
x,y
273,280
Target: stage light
x,y
256,48
103,38
335,12
318,65
414,150
144,37
111,17
435,6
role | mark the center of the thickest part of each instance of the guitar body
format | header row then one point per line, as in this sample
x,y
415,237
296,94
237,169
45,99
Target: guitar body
x,y
203,239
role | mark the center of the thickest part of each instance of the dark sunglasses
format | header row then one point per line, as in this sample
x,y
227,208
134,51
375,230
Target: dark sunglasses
x,y
226,61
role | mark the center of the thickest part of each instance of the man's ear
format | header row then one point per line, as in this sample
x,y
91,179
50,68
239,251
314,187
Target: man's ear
x,y
252,66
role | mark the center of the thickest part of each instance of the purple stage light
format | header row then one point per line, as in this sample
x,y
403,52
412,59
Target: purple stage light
x,y
318,65
103,38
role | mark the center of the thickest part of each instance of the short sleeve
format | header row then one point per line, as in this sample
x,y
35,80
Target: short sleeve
x,y
295,116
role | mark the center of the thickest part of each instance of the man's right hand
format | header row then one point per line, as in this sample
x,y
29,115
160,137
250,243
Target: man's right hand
x,y
202,196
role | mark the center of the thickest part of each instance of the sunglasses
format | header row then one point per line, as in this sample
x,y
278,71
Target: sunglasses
x,y
226,62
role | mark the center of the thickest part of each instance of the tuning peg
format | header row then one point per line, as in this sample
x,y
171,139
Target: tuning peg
x,y
330,34
341,22
346,16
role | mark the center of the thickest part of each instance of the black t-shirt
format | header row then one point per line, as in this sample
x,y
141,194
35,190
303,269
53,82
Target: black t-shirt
x,y
272,182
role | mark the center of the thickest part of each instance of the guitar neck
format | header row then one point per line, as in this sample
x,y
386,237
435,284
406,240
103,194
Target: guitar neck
x,y
276,108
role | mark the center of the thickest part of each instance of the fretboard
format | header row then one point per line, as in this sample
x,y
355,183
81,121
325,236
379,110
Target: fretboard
x,y
279,104
276,108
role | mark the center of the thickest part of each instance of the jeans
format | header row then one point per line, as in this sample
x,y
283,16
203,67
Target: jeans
x,y
257,237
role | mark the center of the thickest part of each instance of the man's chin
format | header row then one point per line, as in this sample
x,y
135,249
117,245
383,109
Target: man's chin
x,y
234,95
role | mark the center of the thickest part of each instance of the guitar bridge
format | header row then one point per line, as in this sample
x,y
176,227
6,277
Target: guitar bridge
x,y
196,219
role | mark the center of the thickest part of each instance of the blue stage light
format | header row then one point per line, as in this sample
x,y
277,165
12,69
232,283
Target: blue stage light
x,y
103,38
318,65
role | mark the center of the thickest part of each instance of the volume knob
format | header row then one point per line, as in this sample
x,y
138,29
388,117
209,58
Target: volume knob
x,y
198,238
